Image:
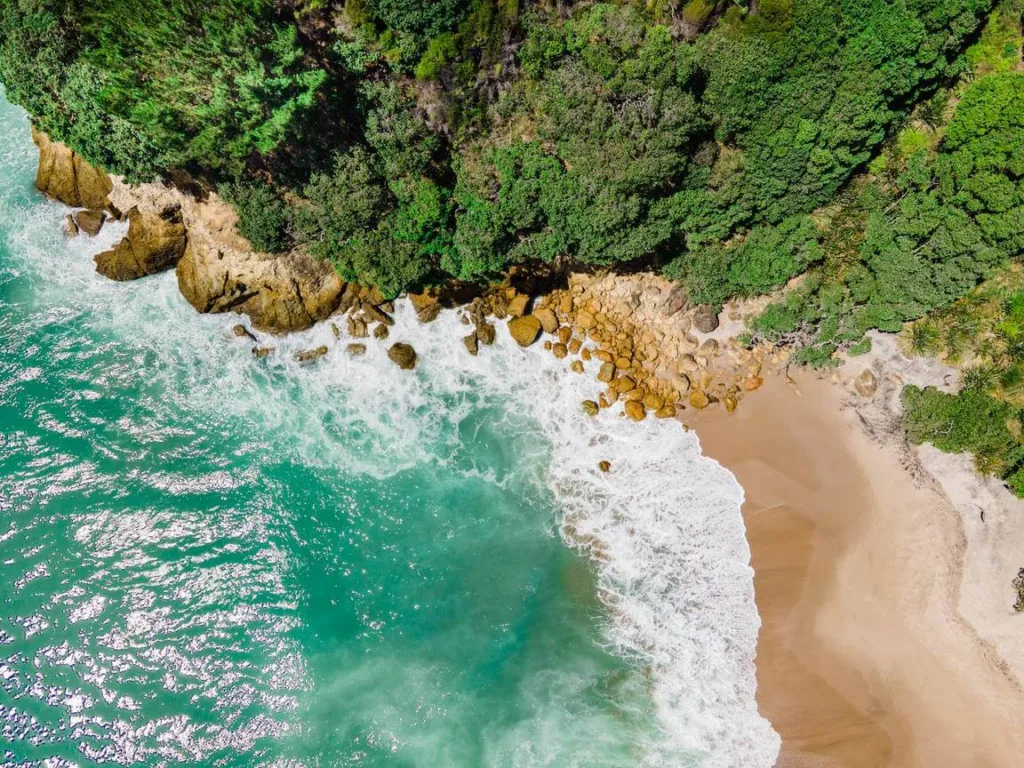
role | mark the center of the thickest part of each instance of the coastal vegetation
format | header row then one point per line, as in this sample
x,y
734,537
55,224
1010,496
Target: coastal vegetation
x,y
861,160
410,143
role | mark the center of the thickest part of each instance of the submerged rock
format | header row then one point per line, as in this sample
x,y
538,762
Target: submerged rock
x,y
309,355
356,349
242,332
154,243
261,352
590,407
403,355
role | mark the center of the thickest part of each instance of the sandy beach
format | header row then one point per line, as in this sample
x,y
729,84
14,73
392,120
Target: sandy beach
x,y
864,658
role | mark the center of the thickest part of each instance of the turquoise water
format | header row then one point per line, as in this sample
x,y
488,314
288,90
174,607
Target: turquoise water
x,y
210,560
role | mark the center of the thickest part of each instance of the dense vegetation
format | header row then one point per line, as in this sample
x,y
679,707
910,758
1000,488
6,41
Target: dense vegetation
x,y
409,141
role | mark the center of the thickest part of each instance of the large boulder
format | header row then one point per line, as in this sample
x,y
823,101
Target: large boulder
x,y
524,330
705,319
65,176
153,243
280,293
403,355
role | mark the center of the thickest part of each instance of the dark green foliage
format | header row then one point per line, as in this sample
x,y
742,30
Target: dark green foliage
x,y
928,238
262,215
143,87
592,135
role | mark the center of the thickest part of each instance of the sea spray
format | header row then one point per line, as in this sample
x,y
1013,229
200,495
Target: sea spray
x,y
663,528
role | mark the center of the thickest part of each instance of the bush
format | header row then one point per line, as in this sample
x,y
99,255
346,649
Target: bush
x,y
263,216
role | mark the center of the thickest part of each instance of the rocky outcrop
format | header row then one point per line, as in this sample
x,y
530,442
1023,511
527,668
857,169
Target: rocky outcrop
x,y
220,272
65,176
154,243
279,293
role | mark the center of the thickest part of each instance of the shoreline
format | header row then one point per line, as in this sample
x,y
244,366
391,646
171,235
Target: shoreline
x,y
864,658
861,562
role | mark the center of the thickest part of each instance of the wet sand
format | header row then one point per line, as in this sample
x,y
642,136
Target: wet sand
x,y
863,658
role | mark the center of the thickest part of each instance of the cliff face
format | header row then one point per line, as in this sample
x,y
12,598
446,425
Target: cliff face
x,y
217,270
65,176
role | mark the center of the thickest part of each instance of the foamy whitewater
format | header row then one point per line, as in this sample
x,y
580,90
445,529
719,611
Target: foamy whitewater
x,y
663,529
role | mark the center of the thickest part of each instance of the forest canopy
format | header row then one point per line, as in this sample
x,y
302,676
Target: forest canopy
x,y
414,142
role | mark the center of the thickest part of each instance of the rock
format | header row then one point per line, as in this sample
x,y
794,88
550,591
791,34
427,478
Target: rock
x,y
242,332
403,355
585,320
349,298
590,407
336,330
575,345
564,333
374,315
604,466
548,321
576,366
90,222
472,344
153,244
686,364
730,403
65,176
585,352
356,349
623,384
381,332
280,293
635,410
709,348
675,301
559,351
866,384
357,328
429,313
260,352
752,382
622,363
421,301
524,330
665,412
485,334
705,319
607,373
309,355
653,402
699,399
70,227
517,305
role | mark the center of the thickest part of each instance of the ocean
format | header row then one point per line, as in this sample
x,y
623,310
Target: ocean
x,y
211,560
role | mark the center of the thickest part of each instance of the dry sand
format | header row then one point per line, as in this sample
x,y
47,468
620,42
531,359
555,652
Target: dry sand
x,y
864,658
